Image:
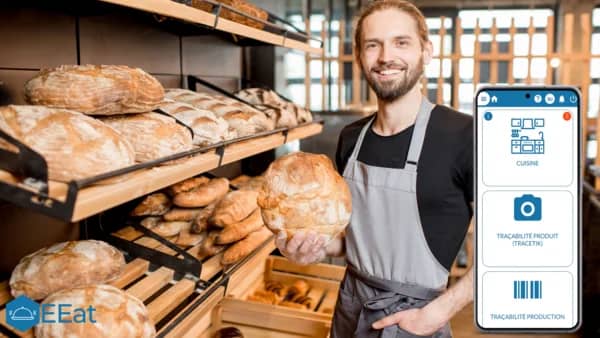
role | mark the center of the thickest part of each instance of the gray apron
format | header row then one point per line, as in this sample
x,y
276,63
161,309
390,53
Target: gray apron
x,y
390,265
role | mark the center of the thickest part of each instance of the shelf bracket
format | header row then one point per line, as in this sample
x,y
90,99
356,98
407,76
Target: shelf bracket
x,y
220,150
217,12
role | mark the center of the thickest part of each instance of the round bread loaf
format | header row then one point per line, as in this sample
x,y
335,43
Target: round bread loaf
x,y
65,265
74,145
96,89
152,135
303,191
115,314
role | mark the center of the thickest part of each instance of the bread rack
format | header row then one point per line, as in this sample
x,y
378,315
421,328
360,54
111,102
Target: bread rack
x,y
24,177
272,34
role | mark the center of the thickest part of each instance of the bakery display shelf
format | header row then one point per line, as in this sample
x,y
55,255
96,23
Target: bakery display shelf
x,y
256,319
178,305
79,199
272,34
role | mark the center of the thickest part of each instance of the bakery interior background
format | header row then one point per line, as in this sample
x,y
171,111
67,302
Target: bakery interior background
x,y
475,43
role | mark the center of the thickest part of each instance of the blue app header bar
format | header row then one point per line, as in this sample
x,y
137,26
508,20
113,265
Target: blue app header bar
x,y
538,97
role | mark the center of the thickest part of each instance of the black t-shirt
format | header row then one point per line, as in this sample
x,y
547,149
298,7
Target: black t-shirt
x,y
445,173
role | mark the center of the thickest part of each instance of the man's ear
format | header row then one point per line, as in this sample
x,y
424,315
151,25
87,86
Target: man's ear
x,y
427,52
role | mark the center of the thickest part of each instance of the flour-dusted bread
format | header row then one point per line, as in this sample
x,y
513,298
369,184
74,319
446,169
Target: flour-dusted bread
x,y
152,135
95,89
116,314
244,119
234,207
75,146
268,97
64,265
303,191
208,128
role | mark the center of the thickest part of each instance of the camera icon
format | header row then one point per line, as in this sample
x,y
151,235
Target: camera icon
x,y
528,208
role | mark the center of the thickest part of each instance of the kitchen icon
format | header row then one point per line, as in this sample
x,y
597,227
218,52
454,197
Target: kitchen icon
x,y
525,139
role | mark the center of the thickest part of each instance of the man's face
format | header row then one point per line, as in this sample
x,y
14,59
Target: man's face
x,y
391,54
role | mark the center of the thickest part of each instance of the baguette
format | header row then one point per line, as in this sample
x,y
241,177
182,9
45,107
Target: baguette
x,y
244,247
237,231
203,195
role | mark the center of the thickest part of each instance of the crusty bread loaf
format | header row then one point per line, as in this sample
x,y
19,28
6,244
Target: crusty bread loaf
x,y
294,114
208,128
234,207
204,194
241,5
242,118
236,231
303,191
95,90
208,247
64,265
153,205
117,314
75,146
152,135
244,247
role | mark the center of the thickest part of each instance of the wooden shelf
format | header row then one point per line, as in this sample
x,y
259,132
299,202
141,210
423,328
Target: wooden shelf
x,y
187,13
97,198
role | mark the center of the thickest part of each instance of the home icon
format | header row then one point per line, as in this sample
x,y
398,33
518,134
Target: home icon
x,y
22,313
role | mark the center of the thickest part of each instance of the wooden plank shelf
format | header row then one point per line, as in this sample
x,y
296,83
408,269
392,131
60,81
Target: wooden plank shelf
x,y
190,14
94,199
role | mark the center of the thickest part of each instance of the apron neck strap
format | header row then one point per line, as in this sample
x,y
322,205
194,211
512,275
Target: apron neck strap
x,y
418,135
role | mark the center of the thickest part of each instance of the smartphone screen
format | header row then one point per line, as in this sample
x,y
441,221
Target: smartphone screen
x,y
527,254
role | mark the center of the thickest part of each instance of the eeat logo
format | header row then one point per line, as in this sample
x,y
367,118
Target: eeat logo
x,y
22,313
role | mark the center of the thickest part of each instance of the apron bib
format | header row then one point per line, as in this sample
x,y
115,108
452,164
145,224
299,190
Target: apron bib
x,y
390,265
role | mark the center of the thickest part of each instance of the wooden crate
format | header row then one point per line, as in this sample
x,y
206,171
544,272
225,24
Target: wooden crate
x,y
256,319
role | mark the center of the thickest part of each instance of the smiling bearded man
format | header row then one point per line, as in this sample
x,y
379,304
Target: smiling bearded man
x,y
409,168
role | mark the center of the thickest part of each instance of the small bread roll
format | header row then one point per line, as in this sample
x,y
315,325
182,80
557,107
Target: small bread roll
x,y
200,223
187,185
167,229
180,214
234,207
237,231
153,205
203,195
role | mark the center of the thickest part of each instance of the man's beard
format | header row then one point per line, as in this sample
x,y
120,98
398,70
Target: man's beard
x,y
389,91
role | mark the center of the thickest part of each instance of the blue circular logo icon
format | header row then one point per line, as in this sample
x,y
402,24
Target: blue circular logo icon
x,y
487,116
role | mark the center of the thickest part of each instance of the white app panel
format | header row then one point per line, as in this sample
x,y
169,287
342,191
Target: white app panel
x,y
527,299
527,228
527,147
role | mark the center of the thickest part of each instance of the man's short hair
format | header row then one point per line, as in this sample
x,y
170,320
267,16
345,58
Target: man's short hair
x,y
379,5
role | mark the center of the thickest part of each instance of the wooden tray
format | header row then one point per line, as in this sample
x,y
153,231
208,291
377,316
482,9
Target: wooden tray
x,y
264,320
